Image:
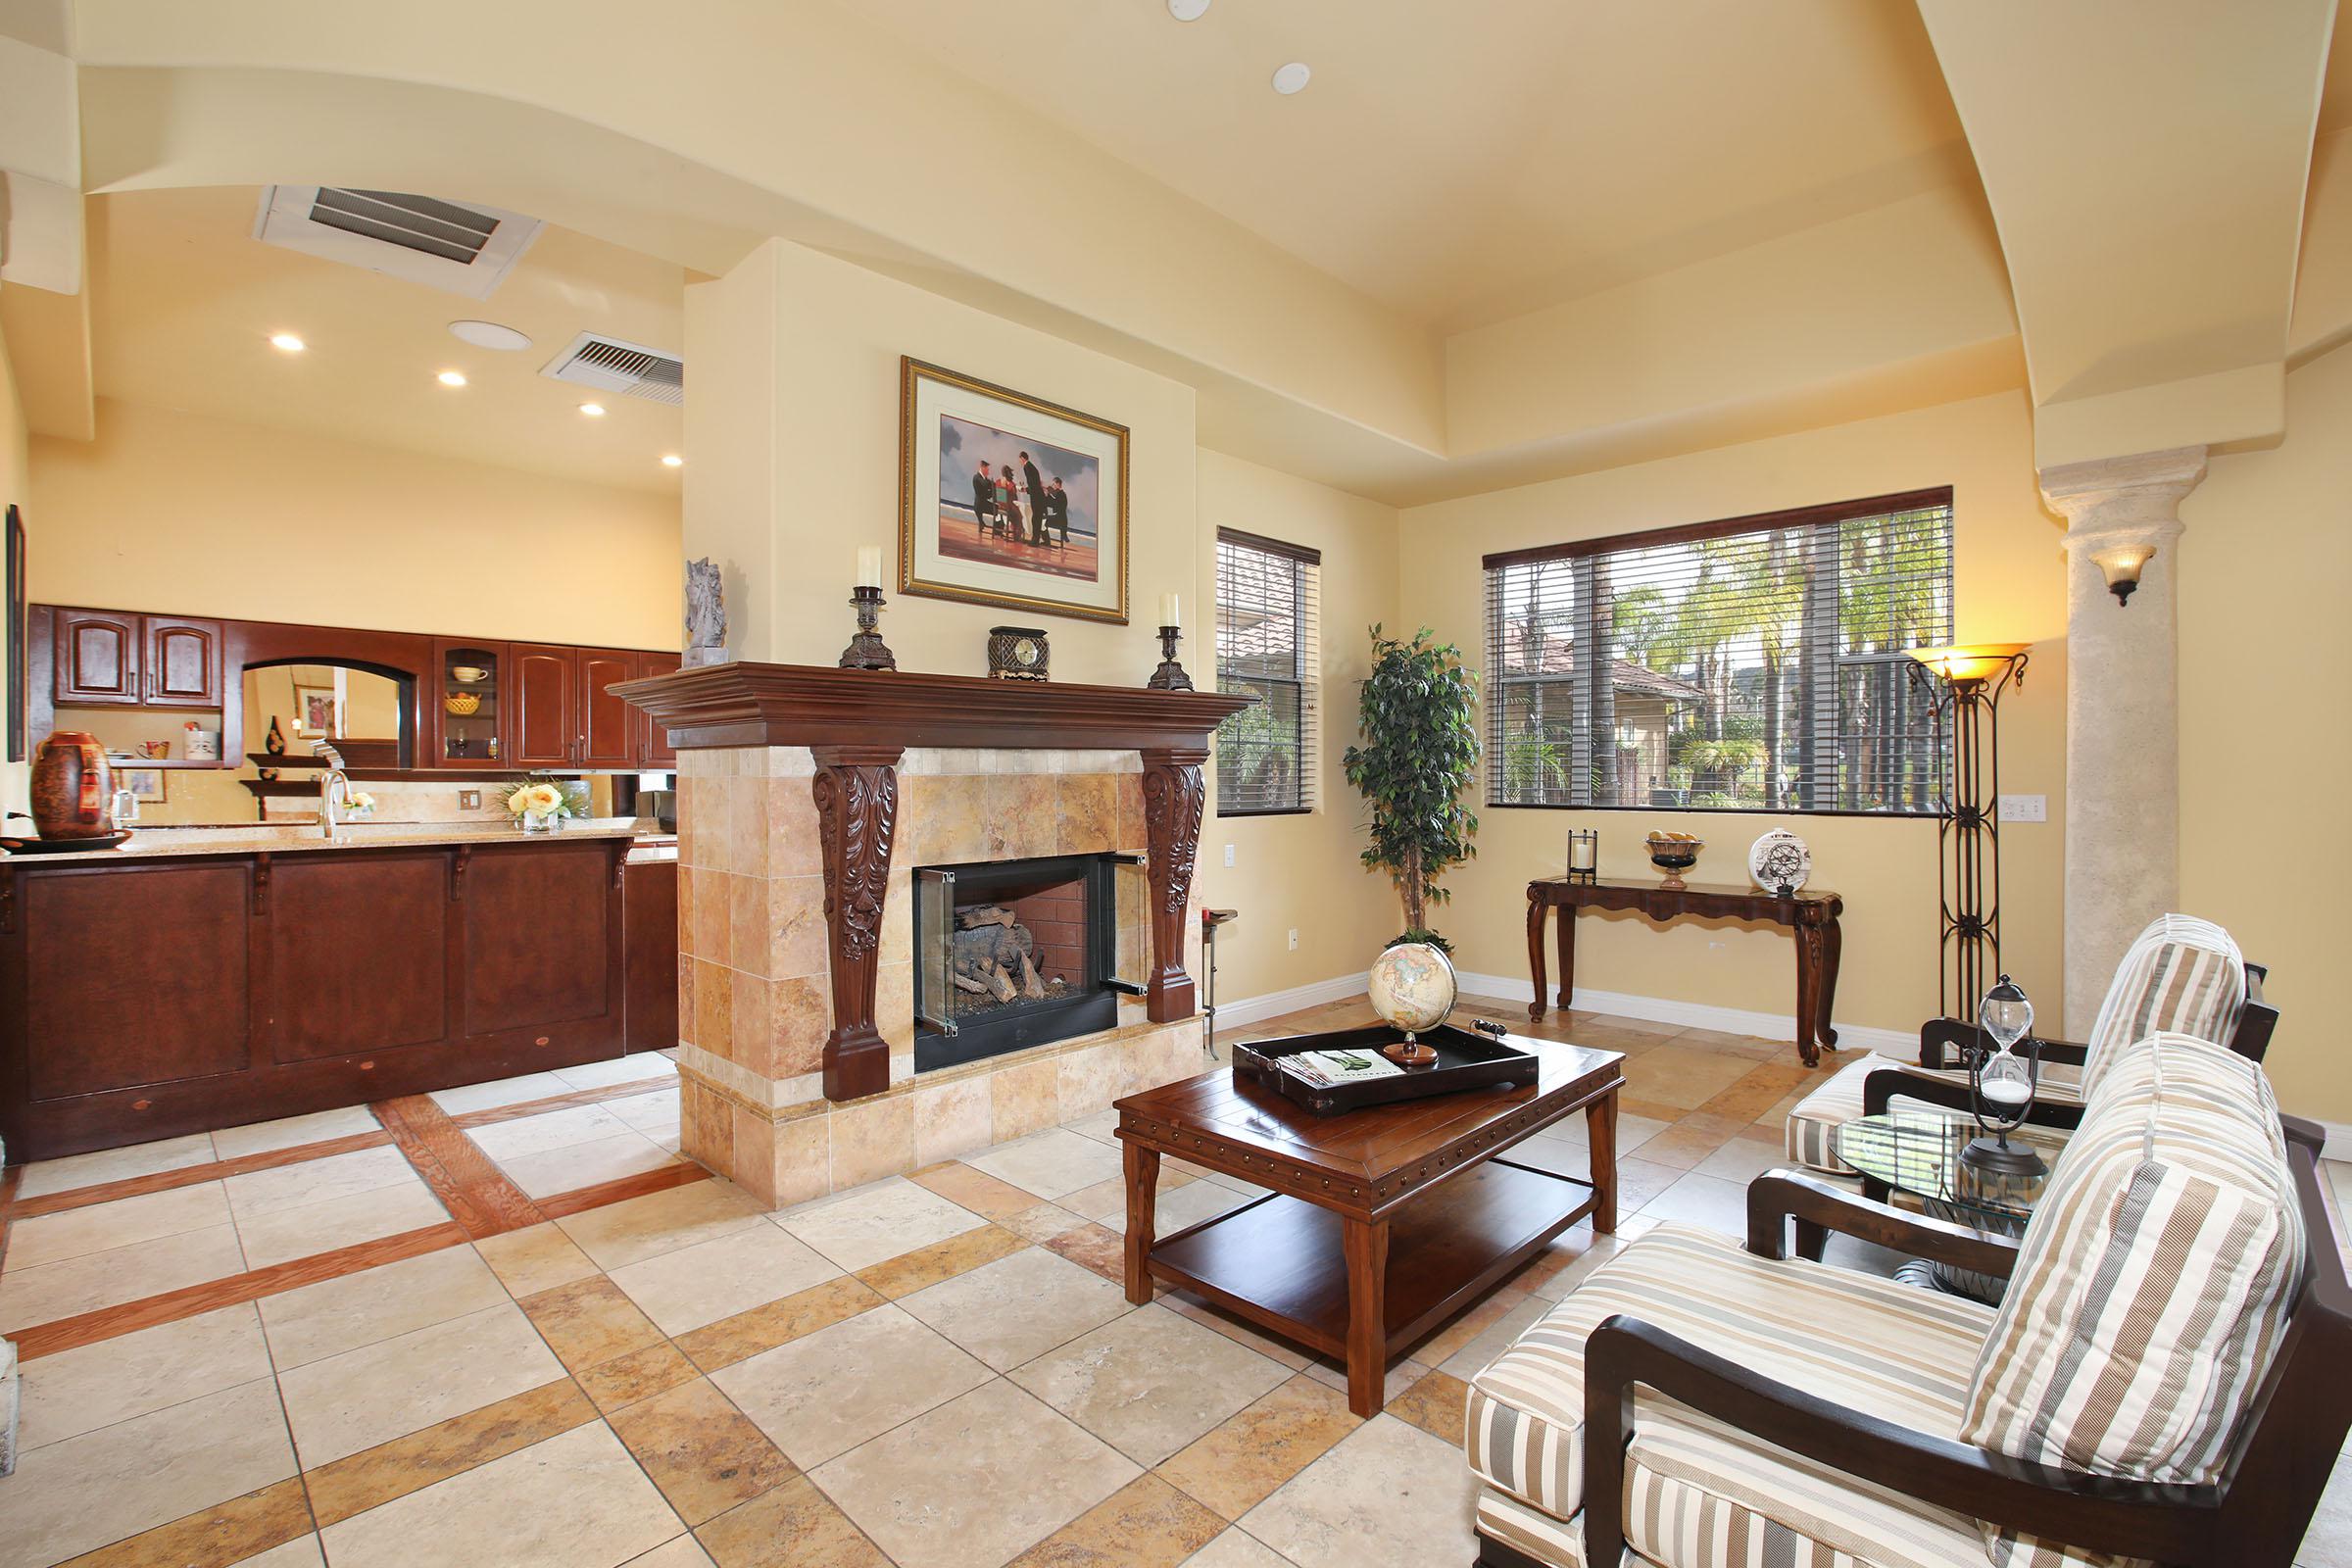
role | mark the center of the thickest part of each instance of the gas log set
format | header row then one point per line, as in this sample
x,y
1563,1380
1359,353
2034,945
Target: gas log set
x,y
995,959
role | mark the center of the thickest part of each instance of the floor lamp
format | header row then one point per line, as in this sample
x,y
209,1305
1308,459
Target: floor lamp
x,y
1964,686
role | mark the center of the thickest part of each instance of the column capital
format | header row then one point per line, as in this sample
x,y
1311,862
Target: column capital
x,y
2111,500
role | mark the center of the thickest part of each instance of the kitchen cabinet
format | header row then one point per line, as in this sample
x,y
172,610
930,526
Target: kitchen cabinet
x,y
611,730
466,715
650,899
652,740
183,661
97,657
542,685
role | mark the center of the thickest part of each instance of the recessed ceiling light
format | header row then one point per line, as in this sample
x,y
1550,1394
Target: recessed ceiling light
x,y
1291,77
489,335
671,459
594,411
1187,10
287,343
450,378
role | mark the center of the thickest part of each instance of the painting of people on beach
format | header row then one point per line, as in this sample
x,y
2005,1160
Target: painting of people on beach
x,y
1008,500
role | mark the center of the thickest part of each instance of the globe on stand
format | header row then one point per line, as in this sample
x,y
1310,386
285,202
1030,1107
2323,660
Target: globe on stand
x,y
1412,987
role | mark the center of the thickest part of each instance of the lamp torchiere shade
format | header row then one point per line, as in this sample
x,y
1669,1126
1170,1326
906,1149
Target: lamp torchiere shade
x,y
1970,664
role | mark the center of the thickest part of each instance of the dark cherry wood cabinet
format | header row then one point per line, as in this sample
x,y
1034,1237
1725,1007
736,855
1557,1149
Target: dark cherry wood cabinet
x,y
652,900
610,734
465,714
97,657
183,661
652,740
154,997
542,726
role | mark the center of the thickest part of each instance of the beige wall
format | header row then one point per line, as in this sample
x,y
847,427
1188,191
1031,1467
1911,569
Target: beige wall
x,y
15,486
1300,872
2009,587
171,511
2266,733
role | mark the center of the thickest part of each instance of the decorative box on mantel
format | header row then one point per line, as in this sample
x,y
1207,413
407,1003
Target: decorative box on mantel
x,y
809,798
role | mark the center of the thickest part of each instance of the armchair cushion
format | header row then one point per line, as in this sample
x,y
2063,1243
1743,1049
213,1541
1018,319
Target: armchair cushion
x,y
2182,975
2155,1282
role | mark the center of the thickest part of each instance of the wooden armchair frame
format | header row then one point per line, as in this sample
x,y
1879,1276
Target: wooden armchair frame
x,y
2253,1517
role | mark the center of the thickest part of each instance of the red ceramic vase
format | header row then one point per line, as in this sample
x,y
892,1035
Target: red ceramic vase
x,y
72,788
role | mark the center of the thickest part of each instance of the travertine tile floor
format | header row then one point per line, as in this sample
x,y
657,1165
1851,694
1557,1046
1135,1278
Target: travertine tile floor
x,y
939,1371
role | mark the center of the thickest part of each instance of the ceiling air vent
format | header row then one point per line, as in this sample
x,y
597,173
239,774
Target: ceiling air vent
x,y
611,366
422,239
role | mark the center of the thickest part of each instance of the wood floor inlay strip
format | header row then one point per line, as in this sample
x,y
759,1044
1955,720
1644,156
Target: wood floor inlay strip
x,y
491,1115
107,1322
477,1193
660,1179
164,1181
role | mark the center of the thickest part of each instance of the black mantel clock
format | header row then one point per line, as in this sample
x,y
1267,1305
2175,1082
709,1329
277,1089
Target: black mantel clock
x,y
1016,652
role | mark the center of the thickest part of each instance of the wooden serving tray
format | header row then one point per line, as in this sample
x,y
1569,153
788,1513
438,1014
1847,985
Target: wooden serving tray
x,y
1466,1060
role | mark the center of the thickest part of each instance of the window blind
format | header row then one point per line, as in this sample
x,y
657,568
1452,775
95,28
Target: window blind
x,y
1757,664
1267,644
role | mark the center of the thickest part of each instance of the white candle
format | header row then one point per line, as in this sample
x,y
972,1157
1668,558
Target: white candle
x,y
870,566
1167,611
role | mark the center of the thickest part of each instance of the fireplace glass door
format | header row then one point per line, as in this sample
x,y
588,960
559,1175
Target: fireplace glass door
x,y
1014,954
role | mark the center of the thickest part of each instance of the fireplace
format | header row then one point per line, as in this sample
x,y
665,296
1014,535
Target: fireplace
x,y
1014,954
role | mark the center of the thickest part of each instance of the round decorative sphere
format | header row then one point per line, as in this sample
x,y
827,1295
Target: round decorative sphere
x,y
1412,986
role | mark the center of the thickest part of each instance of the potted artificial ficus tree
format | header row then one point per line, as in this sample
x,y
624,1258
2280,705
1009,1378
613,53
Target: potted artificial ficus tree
x,y
1420,730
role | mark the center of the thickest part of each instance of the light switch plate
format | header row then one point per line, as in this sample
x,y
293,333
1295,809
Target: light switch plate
x,y
1228,854
469,799
2025,808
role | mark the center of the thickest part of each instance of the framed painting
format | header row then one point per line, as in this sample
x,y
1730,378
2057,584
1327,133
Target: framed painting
x,y
147,785
20,649
313,710
1008,500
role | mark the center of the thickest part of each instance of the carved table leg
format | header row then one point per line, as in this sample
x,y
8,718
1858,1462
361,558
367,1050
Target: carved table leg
x,y
1535,949
1567,941
1808,994
857,792
1173,797
1601,1133
1366,1245
1833,943
1143,1182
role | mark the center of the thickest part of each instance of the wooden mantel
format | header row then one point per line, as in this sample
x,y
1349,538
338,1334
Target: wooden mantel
x,y
812,705
858,722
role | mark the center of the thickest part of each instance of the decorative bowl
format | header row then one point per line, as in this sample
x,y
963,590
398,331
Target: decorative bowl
x,y
462,703
1674,854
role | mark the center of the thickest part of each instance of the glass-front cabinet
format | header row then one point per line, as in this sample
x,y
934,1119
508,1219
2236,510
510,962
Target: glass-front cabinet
x,y
467,718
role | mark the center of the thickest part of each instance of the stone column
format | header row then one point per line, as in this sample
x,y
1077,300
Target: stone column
x,y
2122,745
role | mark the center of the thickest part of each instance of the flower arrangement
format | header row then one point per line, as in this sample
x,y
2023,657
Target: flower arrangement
x,y
359,803
539,804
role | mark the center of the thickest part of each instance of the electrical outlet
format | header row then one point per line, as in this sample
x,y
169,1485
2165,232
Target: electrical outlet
x,y
469,799
1229,855
2025,809
1294,939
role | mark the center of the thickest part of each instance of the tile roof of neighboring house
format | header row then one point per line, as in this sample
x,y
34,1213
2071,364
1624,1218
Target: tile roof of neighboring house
x,y
1558,658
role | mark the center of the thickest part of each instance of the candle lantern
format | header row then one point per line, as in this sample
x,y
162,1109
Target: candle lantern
x,y
2001,1083
1584,853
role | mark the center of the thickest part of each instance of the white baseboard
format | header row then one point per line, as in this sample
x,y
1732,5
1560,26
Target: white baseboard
x,y
1625,1004
1697,1014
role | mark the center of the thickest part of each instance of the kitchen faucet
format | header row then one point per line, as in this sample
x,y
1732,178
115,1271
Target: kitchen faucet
x,y
334,786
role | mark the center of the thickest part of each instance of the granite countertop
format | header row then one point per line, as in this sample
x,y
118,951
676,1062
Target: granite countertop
x,y
293,839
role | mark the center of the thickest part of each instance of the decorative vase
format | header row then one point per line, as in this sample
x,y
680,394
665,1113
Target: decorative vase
x,y
72,788
541,823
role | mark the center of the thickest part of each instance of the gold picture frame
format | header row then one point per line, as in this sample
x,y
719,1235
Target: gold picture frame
x,y
1008,500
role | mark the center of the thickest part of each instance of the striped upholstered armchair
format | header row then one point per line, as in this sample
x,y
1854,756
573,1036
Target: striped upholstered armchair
x,y
2157,1386
2181,974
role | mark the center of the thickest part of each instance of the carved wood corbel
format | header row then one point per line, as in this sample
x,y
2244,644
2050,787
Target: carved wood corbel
x,y
856,794
1173,792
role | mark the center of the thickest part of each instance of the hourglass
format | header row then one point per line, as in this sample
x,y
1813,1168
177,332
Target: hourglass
x,y
2001,1083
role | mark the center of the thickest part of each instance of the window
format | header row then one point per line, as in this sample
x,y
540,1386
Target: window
x,y
1266,595
1758,663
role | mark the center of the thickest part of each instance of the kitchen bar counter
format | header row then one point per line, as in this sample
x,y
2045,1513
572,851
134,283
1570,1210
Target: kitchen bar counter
x,y
179,985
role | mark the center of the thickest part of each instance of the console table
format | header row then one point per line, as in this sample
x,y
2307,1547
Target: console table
x,y
1811,915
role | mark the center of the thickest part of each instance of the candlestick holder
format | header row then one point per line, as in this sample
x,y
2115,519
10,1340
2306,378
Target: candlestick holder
x,y
1171,675
867,649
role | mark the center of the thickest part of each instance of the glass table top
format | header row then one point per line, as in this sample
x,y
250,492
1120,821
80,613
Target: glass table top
x,y
1917,1151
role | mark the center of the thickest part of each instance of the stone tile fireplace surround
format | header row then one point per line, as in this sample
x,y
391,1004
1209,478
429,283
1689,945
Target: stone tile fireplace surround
x,y
795,864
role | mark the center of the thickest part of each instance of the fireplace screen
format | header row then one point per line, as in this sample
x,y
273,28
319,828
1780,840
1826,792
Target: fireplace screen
x,y
1014,954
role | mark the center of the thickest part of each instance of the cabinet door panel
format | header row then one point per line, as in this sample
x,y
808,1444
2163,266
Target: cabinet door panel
x,y
654,748
544,913
649,899
540,690
358,953
97,657
608,723
183,663
135,977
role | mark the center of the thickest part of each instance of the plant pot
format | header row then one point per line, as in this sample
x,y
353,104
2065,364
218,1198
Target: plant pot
x,y
542,822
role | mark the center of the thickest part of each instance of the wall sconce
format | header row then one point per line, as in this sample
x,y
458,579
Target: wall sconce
x,y
2121,563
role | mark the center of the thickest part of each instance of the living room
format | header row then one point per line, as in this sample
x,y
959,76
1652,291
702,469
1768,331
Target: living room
x,y
1148,484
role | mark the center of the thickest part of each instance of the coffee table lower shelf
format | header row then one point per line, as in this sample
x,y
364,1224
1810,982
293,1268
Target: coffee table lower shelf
x,y
1279,1261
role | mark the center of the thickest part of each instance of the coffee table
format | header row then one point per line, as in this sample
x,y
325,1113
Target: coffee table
x,y
1380,1223
1916,1151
